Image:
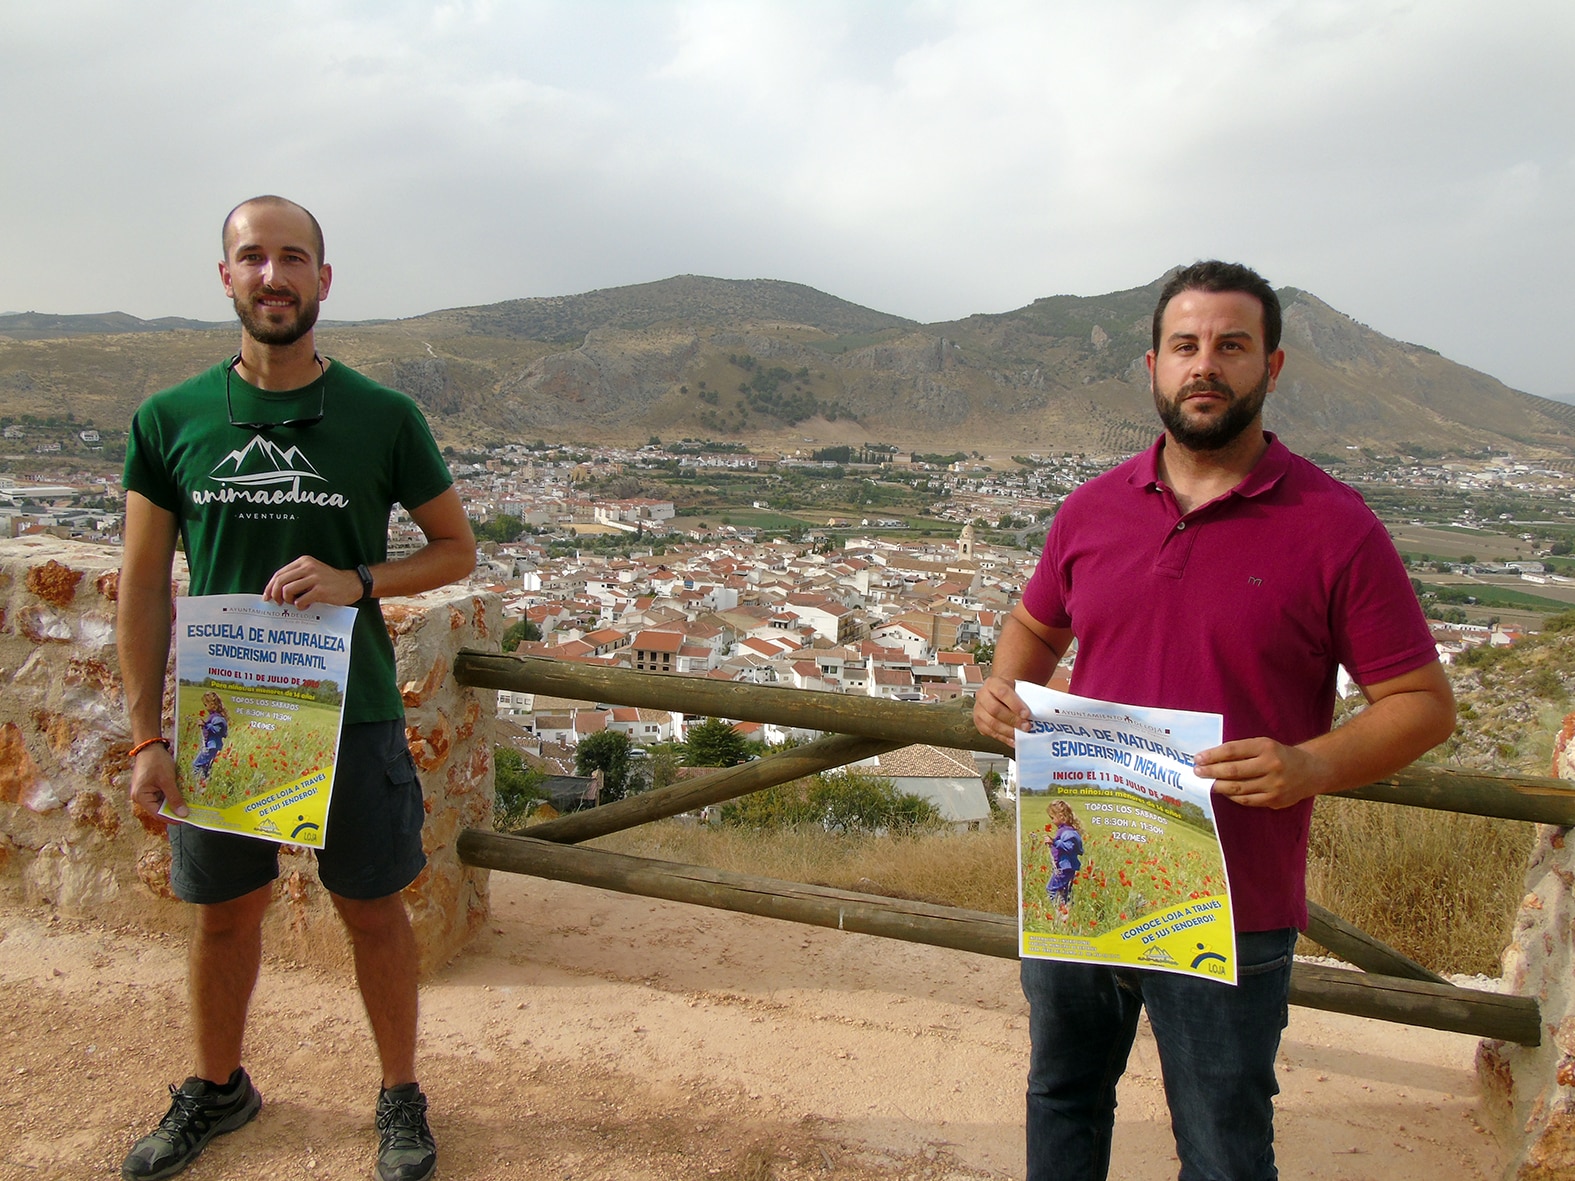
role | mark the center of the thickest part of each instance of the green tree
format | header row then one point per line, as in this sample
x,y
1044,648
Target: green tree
x,y
714,743
992,784
514,786
784,806
663,763
518,632
504,528
858,802
607,752
854,802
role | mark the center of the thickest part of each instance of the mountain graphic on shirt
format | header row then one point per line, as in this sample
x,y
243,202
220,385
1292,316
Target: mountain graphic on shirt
x,y
260,462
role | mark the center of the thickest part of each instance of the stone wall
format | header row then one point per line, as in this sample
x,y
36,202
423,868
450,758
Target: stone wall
x,y
1529,1093
70,841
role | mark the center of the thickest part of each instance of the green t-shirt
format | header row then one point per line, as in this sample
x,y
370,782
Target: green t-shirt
x,y
251,500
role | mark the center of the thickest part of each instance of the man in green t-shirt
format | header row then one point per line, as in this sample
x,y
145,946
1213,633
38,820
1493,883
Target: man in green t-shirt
x,y
277,471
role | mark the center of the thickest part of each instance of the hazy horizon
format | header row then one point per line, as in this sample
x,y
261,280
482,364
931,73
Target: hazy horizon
x,y
1410,164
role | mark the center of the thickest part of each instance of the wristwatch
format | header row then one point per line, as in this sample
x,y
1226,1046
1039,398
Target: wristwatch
x,y
365,575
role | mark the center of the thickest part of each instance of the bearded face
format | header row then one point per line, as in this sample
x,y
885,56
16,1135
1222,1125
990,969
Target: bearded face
x,y
1207,426
276,316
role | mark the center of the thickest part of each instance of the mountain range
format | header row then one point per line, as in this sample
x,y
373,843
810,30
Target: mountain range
x,y
777,363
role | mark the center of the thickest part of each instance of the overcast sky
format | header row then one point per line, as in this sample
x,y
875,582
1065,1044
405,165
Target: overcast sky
x,y
1409,163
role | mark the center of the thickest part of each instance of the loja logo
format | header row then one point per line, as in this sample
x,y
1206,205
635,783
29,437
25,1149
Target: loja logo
x,y
261,473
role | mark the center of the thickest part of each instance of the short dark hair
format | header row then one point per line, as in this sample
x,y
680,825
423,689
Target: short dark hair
x,y
270,199
1216,276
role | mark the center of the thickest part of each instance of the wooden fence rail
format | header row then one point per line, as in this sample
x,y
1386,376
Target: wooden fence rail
x,y
784,766
1389,998
1534,798
1391,986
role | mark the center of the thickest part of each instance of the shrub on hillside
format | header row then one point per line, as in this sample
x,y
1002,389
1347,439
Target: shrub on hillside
x,y
515,788
841,802
1562,622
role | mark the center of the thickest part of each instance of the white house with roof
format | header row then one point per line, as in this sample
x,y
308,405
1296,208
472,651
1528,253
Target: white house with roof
x,y
904,636
855,676
643,726
830,619
588,722
895,684
804,673
554,728
695,659
607,640
768,647
748,667
947,778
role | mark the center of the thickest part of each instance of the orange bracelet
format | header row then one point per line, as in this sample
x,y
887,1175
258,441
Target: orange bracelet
x,y
147,742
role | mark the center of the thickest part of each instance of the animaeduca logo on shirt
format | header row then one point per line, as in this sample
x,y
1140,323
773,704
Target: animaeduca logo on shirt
x,y
262,473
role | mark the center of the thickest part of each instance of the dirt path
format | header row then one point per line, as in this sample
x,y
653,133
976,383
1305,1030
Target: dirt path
x,y
590,1035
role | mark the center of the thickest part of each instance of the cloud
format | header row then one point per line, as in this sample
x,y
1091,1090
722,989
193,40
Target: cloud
x,y
1409,163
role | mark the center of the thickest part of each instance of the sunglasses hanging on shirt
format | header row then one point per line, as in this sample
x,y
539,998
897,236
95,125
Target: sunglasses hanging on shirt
x,y
309,420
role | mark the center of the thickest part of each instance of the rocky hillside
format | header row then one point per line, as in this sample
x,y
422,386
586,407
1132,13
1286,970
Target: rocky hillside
x,y
769,361
1512,702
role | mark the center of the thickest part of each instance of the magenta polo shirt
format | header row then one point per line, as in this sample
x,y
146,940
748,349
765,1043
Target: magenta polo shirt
x,y
1243,607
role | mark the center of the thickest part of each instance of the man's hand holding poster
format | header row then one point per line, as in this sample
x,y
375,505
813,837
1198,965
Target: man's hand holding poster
x,y
1118,859
259,698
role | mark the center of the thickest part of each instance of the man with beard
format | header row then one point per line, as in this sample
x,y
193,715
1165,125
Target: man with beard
x,y
277,470
1216,572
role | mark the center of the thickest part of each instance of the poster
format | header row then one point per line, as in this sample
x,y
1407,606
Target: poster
x,y
258,702
1118,859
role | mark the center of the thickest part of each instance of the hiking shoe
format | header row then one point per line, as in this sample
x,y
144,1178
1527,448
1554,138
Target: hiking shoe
x,y
198,1112
405,1148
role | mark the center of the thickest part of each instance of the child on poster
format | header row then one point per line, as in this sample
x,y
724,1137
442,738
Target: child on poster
x,y
214,724
1066,855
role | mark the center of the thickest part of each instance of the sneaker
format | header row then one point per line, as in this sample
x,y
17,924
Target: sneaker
x,y
405,1148
198,1112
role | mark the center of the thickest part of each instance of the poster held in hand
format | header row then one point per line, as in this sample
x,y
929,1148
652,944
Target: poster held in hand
x,y
1118,859
259,701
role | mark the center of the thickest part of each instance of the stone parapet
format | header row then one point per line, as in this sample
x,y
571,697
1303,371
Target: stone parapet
x,y
1528,1093
69,840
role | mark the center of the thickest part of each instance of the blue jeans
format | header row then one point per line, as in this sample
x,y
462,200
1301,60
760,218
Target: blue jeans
x,y
1216,1051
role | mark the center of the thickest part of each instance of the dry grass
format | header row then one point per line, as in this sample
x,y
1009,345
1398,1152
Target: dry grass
x,y
973,870
1440,887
